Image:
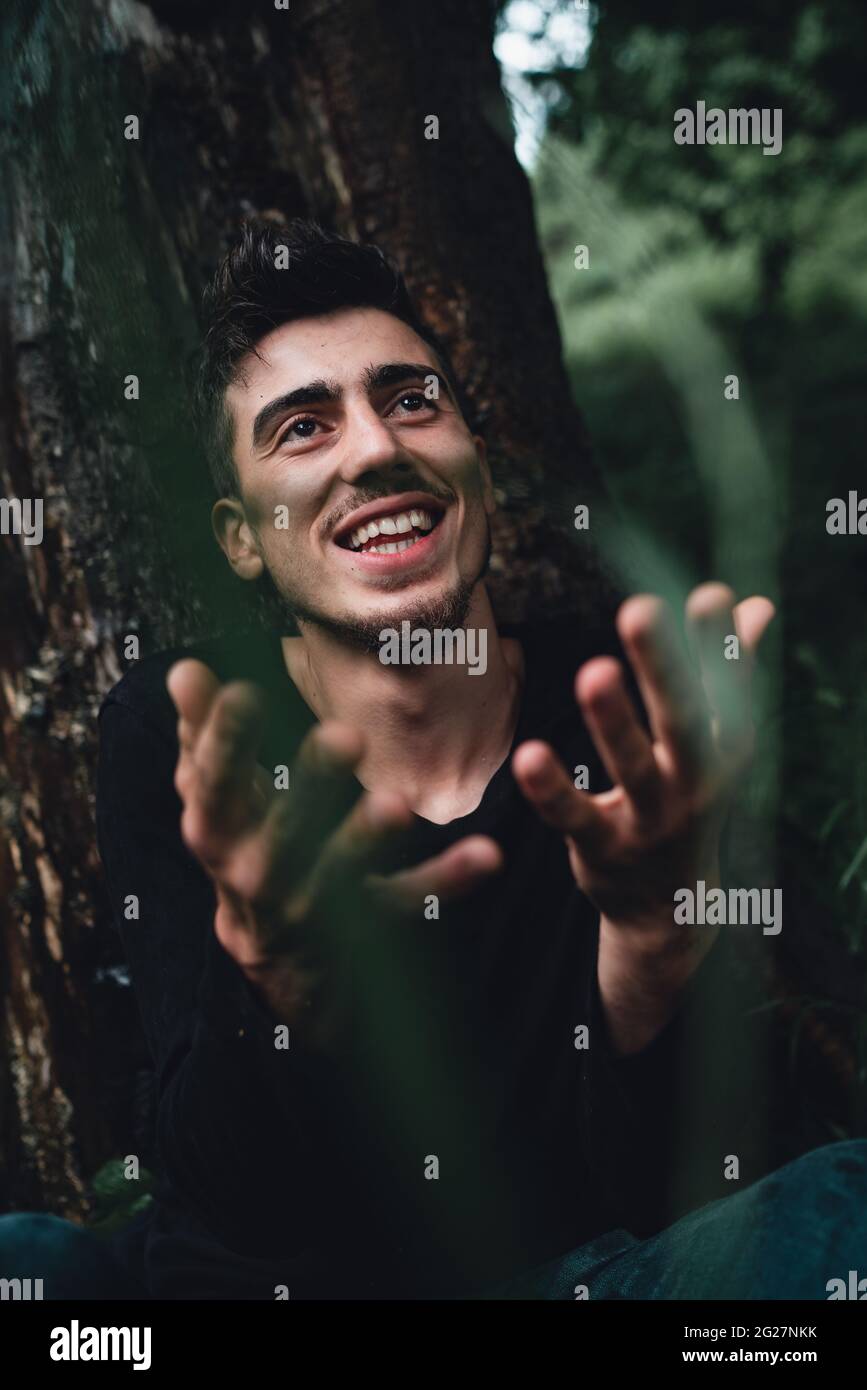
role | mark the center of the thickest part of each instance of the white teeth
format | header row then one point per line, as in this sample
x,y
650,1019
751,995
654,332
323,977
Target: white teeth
x,y
391,526
391,547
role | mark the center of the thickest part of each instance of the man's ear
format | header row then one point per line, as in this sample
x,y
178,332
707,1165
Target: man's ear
x,y
235,538
484,469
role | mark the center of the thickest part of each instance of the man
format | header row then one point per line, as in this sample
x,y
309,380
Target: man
x,y
403,934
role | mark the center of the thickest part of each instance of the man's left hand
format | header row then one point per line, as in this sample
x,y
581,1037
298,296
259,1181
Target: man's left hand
x,y
658,829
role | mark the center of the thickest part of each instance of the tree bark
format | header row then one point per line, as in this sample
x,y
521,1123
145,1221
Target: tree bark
x,y
106,243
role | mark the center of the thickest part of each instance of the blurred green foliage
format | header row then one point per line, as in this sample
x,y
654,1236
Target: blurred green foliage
x,y
116,1198
713,260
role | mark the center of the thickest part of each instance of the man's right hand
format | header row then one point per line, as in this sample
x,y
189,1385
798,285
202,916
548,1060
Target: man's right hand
x,y
285,864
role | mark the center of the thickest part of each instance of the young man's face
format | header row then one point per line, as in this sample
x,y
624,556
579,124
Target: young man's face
x,y
335,435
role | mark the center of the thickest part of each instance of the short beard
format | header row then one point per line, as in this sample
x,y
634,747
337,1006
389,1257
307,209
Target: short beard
x,y
448,611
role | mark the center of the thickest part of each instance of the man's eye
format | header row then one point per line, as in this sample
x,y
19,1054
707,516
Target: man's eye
x,y
302,428
414,401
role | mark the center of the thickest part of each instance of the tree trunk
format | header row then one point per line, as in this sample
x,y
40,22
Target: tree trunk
x,y
106,241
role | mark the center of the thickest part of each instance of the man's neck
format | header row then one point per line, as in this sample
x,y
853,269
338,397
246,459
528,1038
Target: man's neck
x,y
436,733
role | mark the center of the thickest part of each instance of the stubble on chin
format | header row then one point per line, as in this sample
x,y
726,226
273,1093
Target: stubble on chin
x,y
448,610
364,634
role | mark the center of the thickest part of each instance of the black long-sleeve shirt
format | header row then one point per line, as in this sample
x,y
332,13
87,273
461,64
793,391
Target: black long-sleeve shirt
x,y
278,1166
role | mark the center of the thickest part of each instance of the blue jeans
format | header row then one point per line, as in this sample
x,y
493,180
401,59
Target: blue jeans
x,y
71,1262
784,1238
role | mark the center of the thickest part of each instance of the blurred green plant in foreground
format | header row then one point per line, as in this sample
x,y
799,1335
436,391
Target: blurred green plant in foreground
x,y
713,261
116,1198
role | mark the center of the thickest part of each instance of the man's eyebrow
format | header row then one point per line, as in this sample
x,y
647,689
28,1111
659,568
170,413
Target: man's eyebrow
x,y
314,393
393,373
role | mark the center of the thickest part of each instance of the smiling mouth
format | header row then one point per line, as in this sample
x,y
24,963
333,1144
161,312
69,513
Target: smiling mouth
x,y
392,532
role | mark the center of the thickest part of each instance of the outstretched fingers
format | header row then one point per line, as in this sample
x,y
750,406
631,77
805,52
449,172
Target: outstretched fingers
x,y
752,619
726,637
672,691
617,732
373,825
546,785
219,729
724,669
452,874
284,849
192,686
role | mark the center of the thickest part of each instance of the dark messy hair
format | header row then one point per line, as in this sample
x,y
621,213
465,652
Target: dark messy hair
x,y
256,290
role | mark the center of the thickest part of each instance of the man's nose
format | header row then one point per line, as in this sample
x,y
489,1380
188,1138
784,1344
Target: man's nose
x,y
370,446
